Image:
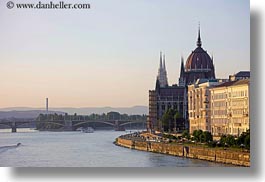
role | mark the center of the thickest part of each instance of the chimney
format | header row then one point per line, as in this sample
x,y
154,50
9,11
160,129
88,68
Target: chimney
x,y
47,105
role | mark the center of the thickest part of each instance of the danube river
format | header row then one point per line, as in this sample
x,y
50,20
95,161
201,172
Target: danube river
x,y
76,149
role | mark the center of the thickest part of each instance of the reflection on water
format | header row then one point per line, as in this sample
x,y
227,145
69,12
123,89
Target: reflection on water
x,y
76,149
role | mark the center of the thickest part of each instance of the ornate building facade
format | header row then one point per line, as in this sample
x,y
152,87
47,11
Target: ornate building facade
x,y
199,65
162,72
199,105
230,108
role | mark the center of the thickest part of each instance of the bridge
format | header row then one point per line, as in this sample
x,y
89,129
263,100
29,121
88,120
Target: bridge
x,y
67,125
14,123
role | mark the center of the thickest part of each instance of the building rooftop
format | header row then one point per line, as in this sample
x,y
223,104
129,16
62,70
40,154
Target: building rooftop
x,y
231,83
243,74
241,82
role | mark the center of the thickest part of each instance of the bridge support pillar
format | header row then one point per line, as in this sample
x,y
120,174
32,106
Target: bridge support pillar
x,y
117,126
68,125
14,127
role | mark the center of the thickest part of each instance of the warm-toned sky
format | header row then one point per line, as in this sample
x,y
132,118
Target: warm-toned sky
x,y
109,55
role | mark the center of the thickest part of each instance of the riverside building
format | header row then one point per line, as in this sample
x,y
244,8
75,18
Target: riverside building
x,y
199,65
199,106
230,108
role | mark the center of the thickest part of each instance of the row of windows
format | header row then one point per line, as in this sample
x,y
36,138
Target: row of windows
x,y
219,112
197,116
240,120
219,121
219,96
242,93
238,103
238,111
219,104
232,131
170,98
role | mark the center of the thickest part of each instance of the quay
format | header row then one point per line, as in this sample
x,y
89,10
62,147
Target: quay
x,y
153,143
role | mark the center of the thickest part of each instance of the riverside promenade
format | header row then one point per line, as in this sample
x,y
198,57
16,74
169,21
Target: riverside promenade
x,y
153,143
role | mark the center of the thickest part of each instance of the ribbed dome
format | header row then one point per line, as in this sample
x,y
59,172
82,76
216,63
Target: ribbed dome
x,y
199,59
199,65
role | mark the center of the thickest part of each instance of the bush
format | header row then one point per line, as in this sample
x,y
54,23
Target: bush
x,y
202,136
212,144
228,140
170,137
244,139
185,134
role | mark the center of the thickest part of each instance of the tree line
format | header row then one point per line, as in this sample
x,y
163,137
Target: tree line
x,y
105,116
55,121
243,141
172,121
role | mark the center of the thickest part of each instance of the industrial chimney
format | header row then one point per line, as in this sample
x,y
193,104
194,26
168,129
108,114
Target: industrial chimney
x,y
47,106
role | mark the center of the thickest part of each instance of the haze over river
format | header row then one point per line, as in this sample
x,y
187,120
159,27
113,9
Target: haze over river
x,y
76,149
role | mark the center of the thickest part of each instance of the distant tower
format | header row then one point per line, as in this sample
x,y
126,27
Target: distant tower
x,y
47,105
182,74
162,72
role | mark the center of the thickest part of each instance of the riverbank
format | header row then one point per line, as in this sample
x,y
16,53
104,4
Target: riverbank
x,y
237,158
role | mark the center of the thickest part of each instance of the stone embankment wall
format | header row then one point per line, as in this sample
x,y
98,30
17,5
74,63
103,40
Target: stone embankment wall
x,y
195,152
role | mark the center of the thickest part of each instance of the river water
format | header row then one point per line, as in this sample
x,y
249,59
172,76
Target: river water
x,y
76,149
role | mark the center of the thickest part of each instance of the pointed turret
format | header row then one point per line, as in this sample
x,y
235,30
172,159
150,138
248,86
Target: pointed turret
x,y
182,67
164,62
157,85
161,64
199,42
182,73
162,73
165,70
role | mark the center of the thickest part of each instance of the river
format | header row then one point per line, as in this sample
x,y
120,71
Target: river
x,y
76,149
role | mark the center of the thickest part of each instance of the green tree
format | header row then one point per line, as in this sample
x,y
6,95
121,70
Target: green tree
x,y
113,115
168,119
197,134
206,136
185,134
244,139
228,140
165,121
176,117
247,142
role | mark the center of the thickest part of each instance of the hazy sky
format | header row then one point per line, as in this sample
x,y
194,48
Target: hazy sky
x,y
109,55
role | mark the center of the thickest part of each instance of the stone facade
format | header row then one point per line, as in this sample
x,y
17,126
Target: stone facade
x,y
195,152
199,106
230,108
152,117
198,65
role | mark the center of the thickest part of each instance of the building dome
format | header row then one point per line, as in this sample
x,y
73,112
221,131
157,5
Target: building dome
x,y
199,65
198,60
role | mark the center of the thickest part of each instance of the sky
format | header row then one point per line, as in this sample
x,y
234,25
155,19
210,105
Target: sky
x,y
109,55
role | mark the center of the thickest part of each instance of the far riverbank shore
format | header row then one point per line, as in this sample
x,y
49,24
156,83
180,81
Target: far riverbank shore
x,y
237,158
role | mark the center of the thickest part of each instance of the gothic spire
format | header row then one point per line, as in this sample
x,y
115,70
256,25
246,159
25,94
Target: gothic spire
x,y
164,62
161,65
165,71
157,84
182,66
162,73
199,42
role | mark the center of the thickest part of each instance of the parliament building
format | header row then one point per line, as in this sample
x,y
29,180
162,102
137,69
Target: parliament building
x,y
199,65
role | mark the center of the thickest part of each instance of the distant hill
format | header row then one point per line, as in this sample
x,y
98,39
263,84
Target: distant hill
x,y
24,114
34,112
